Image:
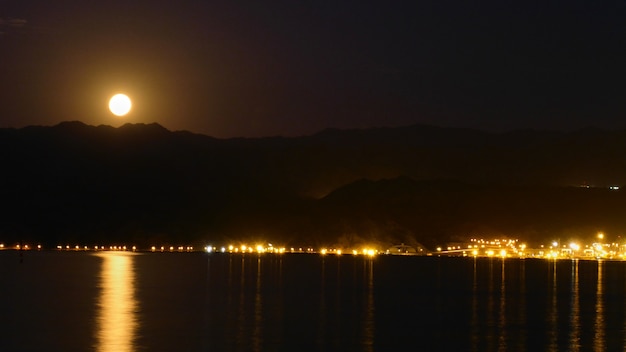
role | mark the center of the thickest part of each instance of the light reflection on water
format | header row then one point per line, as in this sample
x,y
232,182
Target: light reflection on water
x,y
242,314
491,305
474,330
322,305
502,323
302,302
553,316
504,314
574,336
117,305
257,337
599,341
369,327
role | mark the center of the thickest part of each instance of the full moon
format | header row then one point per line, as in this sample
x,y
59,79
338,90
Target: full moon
x,y
120,104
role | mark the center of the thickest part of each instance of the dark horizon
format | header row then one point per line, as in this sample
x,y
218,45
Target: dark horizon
x,y
123,124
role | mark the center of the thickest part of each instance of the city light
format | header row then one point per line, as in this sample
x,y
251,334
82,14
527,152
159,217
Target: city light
x,y
598,246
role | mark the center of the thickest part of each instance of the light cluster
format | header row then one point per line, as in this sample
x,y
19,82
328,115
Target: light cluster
x,y
512,248
269,248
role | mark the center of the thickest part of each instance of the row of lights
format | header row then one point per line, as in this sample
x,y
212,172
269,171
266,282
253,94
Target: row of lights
x,y
100,248
365,251
97,248
171,249
209,249
247,249
17,246
279,250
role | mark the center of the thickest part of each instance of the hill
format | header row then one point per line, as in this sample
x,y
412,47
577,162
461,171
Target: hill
x,y
74,183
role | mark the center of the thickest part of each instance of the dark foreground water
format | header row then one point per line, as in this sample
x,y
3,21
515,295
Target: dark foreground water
x,y
112,301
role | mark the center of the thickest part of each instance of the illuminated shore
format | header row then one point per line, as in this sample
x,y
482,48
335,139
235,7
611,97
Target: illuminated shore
x,y
496,248
229,249
513,248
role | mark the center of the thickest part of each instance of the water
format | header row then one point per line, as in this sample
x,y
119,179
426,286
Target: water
x,y
115,301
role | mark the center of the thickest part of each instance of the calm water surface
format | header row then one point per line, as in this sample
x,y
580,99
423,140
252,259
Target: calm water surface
x,y
113,301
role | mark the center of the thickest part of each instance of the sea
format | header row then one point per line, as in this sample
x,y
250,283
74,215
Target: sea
x,y
132,301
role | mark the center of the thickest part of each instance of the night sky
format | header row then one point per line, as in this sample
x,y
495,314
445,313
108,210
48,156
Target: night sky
x,y
266,68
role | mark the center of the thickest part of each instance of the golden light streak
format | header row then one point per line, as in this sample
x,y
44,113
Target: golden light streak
x,y
117,304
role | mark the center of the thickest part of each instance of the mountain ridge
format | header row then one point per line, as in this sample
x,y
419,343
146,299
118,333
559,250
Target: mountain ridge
x,y
76,182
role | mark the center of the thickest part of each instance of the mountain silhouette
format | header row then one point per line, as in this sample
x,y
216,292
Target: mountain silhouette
x,y
141,183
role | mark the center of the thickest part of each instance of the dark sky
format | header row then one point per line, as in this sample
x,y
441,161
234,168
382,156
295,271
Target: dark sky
x,y
264,68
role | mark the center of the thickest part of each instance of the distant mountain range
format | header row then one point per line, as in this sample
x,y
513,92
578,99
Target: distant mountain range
x,y
74,183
